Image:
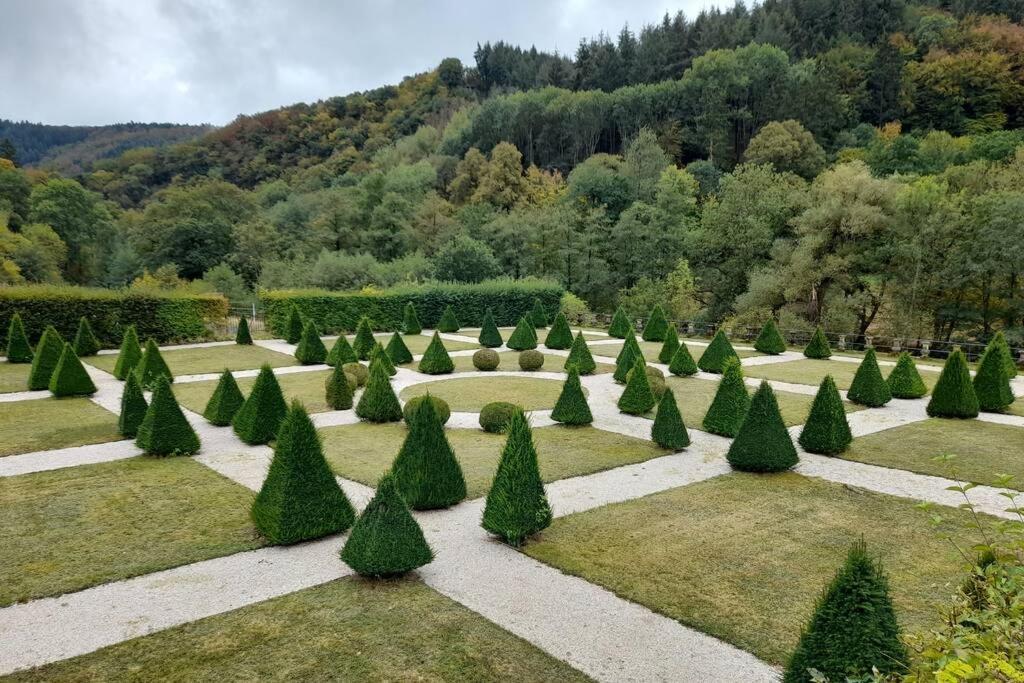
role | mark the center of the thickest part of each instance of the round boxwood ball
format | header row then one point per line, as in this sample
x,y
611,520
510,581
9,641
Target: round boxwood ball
x,y
357,370
486,359
349,377
494,417
531,360
440,407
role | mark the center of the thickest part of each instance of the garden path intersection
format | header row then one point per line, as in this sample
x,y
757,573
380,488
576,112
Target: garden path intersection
x,y
595,631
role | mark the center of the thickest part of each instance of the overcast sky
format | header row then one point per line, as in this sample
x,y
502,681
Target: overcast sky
x,y
205,61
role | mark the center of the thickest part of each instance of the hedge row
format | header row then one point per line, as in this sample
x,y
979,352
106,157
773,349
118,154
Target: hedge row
x,y
164,317
335,312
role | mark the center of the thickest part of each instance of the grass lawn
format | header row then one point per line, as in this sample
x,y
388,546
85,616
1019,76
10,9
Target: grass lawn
x,y
208,359
652,349
48,423
14,377
744,557
308,387
810,371
364,451
68,529
345,630
982,449
417,343
508,361
471,394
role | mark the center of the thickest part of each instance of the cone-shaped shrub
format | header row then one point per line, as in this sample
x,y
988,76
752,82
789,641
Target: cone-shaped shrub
x,y
44,362
411,321
425,469
133,408
300,499
339,391
538,316
259,418
129,355
853,629
311,349
436,360
637,398
620,325
18,348
378,402
243,336
490,337
657,325
69,378
386,540
364,340
1000,344
293,330
905,381
770,341
559,336
714,356
523,337
341,352
626,360
669,346
379,355
682,363
729,407
868,387
818,347
397,351
826,431
86,343
164,429
580,356
572,408
151,366
763,443
953,395
517,506
991,384
225,402
448,321
668,430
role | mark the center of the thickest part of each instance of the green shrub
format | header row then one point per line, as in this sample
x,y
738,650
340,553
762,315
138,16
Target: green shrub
x,y
991,384
538,316
868,387
378,402
495,417
490,336
18,348
243,336
729,407
580,356
448,322
300,499
953,395
714,356
425,469
637,398
826,430
411,321
669,346
397,351
626,360
531,360
357,370
311,350
657,325
441,409
1003,348
486,360
559,336
572,408
86,343
339,390
436,360
818,347
293,332
151,366
364,340
129,355
853,629
658,385
379,355
682,363
523,337
386,540
133,408
164,429
669,430
770,341
225,402
904,381
620,325
763,443
342,352
44,362
69,378
259,418
517,506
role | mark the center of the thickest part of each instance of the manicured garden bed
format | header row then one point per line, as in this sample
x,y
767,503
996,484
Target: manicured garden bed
x,y
208,359
813,371
50,423
470,394
307,387
652,349
13,377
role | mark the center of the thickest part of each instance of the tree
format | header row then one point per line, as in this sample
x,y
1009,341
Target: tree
x,y
637,398
669,346
538,316
152,365
763,443
242,336
397,351
580,356
999,345
868,387
729,407
448,321
787,146
620,325
294,328
682,363
626,360
436,360
129,355
668,430
18,348
571,407
77,215
86,343
311,349
464,259
523,338
364,339
905,381
379,355
426,471
69,377
133,408
225,402
644,162
341,353
490,337
410,321
259,418
770,341
718,351
657,326
991,385
954,395
818,347
378,402
44,361
517,506
826,430
339,390
164,429
559,336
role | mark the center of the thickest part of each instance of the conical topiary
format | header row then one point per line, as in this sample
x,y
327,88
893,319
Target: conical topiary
x,y
44,361
339,391
436,360
669,346
637,398
682,363
86,343
818,347
1000,344
714,356
657,325
538,316
69,378
626,360
668,430
490,336
311,349
293,328
242,335
580,356
378,402
379,355
572,408
905,381
18,348
164,429
259,418
991,384
729,407
151,366
425,469
364,339
559,336
129,355
868,387
763,443
341,353
448,321
826,431
770,341
386,540
953,395
397,351
225,402
853,631
620,325
410,321
517,506
523,337
300,499
133,408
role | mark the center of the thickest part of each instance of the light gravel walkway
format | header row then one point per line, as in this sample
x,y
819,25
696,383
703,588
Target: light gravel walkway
x,y
41,461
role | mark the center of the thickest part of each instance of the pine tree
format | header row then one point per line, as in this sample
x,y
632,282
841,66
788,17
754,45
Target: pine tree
x,y
69,377
682,363
905,381
523,337
339,391
854,628
999,344
164,429
868,387
490,336
637,398
731,402
411,321
669,346
397,351
448,321
86,343
151,366
133,407
818,347
538,316
620,325
626,360
580,356
293,329
657,325
386,540
18,348
954,395
311,349
425,469
379,355
436,360
991,384
364,339
763,443
342,352
826,431
770,341
572,408
378,402
668,430
47,355
225,402
517,506
300,499
129,355
259,418
713,358
243,336
559,336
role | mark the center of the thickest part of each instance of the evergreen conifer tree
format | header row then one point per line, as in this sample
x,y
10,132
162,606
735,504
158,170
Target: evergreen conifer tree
x,y
682,363
523,337
559,336
991,384
818,347
770,341
637,398
411,321
293,328
448,321
580,356
425,469
18,348
620,325
69,377
490,336
339,390
311,349
826,431
905,381
669,346
626,360
1000,344
763,443
164,429
668,430
342,352
364,339
225,402
44,361
151,366
572,408
133,407
129,355
259,418
538,316
729,407
397,351
517,506
243,336
714,356
86,343
657,325
380,355
436,360
378,402
868,387
954,395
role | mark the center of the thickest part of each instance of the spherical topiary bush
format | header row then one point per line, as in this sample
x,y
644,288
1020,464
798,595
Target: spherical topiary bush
x,y
531,360
494,417
444,413
486,359
657,385
357,370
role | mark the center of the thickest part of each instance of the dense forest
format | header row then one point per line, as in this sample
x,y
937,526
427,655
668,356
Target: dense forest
x,y
854,164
